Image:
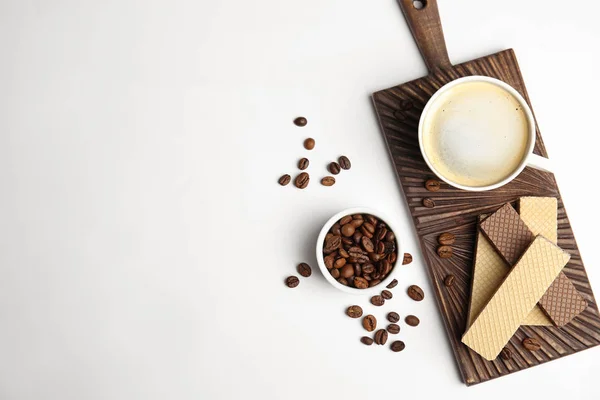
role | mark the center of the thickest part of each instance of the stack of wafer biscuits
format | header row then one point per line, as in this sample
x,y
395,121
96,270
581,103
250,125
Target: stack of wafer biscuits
x,y
517,276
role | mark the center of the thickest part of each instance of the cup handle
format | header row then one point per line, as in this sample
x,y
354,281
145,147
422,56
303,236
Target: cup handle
x,y
538,162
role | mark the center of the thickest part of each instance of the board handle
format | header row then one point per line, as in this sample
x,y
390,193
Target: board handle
x,y
426,28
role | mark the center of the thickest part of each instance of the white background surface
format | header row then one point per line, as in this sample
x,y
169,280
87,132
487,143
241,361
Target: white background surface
x,y
144,238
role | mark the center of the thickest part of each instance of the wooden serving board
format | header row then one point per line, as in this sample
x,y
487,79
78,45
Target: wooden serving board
x,y
399,109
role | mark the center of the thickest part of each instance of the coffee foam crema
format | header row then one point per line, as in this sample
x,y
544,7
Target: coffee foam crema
x,y
476,134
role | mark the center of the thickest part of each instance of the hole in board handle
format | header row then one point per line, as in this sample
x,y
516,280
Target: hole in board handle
x,y
419,4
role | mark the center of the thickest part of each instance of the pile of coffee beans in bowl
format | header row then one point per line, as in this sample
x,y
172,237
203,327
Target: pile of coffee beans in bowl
x,y
360,251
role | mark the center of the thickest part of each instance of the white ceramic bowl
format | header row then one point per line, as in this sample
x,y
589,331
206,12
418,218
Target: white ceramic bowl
x,y
321,261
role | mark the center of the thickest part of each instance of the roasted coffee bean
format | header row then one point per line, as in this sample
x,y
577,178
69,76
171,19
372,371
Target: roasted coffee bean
x,y
348,230
444,251
390,237
357,270
531,344
304,270
433,185
339,263
386,267
380,234
446,239
375,257
356,223
393,317
367,244
506,354
365,231
329,261
328,181
302,180
336,229
357,236
369,322
429,203
292,281
415,293
309,144
347,270
343,281
344,162
397,346
392,284
377,300
334,168
335,273
367,277
300,121
370,219
411,320
374,282
381,337
347,242
366,340
332,244
368,269
303,163
393,329
354,311
369,227
357,216
342,252
380,248
356,251
376,274
392,258
449,281
386,294
285,179
407,259
345,220
360,283
389,247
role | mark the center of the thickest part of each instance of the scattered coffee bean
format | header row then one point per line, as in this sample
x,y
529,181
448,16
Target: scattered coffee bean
x,y
328,181
344,162
360,283
393,317
300,121
369,322
386,294
302,180
506,354
284,180
381,337
415,293
366,340
357,245
334,168
392,284
446,239
304,270
354,312
343,281
303,163
449,281
292,281
433,185
394,329
429,203
309,144
407,259
397,346
531,344
377,301
444,251
405,105
411,320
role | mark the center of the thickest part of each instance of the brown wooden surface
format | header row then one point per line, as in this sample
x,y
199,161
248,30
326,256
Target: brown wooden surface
x,y
399,109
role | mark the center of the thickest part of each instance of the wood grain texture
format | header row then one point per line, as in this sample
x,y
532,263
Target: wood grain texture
x,y
456,211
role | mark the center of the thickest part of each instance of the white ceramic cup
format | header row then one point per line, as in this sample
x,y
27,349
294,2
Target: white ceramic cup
x,y
321,261
530,159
